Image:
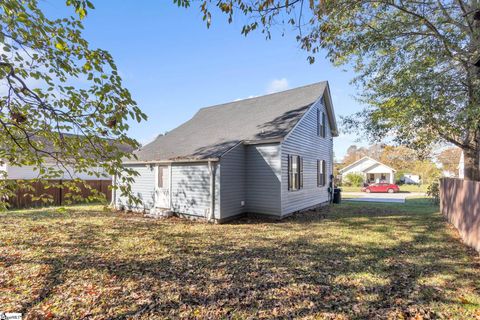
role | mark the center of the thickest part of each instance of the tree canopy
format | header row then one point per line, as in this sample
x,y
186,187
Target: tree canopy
x,y
61,101
450,158
415,61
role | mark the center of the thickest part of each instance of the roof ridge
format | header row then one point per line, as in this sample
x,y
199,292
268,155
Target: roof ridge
x,y
263,95
214,130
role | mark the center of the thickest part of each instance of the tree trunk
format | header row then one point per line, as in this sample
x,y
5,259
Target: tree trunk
x,y
472,155
472,164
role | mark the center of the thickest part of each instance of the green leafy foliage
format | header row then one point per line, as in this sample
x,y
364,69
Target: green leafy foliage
x,y
63,107
353,179
433,191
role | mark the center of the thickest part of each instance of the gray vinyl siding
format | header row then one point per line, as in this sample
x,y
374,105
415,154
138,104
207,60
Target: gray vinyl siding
x,y
143,188
304,141
263,179
232,181
191,189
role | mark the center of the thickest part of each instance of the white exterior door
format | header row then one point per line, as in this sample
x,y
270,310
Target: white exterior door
x,y
162,190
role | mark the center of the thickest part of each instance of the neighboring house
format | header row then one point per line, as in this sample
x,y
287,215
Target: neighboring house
x,y
448,174
14,172
269,155
409,178
461,166
31,172
371,169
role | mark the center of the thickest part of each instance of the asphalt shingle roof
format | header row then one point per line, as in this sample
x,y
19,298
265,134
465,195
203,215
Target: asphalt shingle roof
x,y
214,130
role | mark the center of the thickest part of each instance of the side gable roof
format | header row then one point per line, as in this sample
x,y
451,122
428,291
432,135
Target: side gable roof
x,y
361,160
214,130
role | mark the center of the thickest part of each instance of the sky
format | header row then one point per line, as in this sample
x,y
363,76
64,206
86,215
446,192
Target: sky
x,y
173,65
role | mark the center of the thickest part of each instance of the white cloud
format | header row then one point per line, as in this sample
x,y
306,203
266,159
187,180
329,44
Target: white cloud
x,y
277,85
249,97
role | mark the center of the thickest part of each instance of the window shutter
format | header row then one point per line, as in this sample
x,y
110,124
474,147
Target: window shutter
x,y
318,122
300,174
289,170
323,125
321,173
318,173
324,172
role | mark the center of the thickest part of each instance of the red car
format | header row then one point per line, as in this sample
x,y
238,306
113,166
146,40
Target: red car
x,y
381,187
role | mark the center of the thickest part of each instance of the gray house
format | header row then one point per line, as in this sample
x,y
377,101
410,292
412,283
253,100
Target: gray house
x,y
270,155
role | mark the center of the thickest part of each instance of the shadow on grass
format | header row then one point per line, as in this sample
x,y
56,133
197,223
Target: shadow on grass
x,y
307,265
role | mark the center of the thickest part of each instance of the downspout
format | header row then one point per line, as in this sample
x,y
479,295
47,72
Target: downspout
x,y
170,184
332,176
212,166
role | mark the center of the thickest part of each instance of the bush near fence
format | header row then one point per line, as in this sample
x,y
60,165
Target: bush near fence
x,y
460,204
24,197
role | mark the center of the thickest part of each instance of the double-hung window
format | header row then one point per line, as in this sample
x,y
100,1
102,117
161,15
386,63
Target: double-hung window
x,y
295,172
321,173
162,178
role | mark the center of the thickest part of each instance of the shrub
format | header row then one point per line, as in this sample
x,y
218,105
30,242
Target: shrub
x,y
433,191
354,179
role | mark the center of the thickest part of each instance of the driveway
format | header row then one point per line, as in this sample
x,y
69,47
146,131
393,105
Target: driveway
x,y
380,197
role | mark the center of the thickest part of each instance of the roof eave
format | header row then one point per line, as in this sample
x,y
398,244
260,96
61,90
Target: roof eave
x,y
331,113
366,157
171,161
186,160
263,141
352,164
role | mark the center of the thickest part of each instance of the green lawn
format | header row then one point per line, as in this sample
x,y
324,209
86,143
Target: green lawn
x,y
354,261
403,188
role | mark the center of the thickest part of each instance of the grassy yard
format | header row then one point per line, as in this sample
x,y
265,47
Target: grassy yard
x,y
403,188
354,261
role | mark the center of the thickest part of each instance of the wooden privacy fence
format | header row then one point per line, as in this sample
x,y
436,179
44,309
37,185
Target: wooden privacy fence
x,y
59,196
460,204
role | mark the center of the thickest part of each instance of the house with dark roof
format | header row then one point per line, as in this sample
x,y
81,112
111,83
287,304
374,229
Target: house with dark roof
x,y
270,155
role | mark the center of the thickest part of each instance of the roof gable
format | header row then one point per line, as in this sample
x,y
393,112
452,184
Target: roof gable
x,y
214,130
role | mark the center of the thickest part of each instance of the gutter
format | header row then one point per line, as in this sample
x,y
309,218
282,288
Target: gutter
x,y
262,141
171,161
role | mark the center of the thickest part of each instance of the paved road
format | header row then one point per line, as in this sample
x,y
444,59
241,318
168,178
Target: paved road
x,y
379,197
